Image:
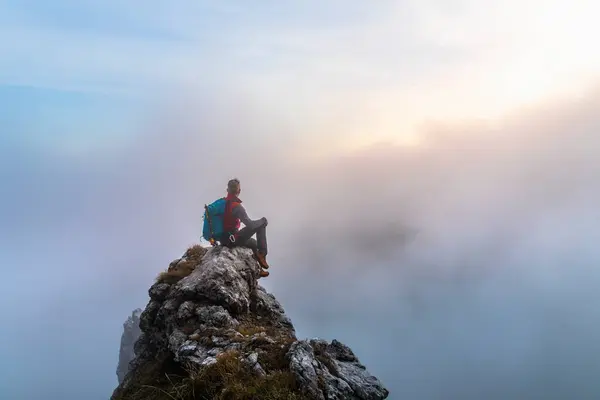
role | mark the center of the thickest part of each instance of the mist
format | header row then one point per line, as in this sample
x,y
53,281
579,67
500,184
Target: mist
x,y
465,267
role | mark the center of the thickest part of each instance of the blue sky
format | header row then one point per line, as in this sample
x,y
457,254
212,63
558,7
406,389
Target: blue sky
x,y
386,69
119,120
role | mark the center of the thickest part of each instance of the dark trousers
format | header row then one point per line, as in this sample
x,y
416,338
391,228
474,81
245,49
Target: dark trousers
x,y
244,238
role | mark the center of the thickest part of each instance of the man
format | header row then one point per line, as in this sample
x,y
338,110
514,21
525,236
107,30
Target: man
x,y
234,236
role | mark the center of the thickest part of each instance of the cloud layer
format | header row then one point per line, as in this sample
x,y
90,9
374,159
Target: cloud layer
x,y
492,298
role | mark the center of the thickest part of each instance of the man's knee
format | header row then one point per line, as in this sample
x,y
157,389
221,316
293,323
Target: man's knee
x,y
251,243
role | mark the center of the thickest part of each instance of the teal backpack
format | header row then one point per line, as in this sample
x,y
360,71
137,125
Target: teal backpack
x,y
213,220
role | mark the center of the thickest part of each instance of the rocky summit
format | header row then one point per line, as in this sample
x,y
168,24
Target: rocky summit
x,y
210,331
131,333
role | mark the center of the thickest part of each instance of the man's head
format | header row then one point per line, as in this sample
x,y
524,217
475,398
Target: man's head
x,y
233,187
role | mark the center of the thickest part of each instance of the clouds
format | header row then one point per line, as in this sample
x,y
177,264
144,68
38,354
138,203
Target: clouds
x,y
492,297
497,286
412,60
488,298
344,74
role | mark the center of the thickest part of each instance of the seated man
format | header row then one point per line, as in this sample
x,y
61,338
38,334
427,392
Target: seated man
x,y
234,236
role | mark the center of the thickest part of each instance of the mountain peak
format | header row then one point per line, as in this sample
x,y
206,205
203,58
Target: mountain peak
x,y
210,331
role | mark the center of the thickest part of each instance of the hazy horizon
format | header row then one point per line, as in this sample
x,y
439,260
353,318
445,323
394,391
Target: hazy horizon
x,y
475,126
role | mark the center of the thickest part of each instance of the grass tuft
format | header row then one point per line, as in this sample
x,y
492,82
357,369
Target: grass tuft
x,y
249,330
195,253
228,379
184,267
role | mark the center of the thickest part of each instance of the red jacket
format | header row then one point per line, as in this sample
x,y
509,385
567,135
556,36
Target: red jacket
x,y
231,224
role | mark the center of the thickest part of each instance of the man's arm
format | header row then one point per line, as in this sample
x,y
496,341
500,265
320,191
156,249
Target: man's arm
x,y
240,212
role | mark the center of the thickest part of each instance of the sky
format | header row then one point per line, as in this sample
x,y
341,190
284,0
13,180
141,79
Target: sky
x,y
472,126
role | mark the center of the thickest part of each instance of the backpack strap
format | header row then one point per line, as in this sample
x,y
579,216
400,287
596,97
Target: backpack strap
x,y
212,234
227,216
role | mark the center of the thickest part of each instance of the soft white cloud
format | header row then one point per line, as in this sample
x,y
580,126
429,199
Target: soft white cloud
x,y
391,65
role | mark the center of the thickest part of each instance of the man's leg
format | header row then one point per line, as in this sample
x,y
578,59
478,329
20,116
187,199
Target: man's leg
x,y
244,238
245,241
249,243
261,236
246,233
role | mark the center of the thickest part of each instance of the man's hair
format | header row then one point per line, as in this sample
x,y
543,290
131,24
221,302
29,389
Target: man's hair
x,y
233,186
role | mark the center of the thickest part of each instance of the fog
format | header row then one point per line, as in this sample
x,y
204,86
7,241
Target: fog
x,y
490,293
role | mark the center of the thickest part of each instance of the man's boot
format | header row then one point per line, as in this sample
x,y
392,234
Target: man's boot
x,y
262,260
263,273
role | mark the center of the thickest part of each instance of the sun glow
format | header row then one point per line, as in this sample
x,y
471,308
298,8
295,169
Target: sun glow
x,y
554,55
506,57
549,55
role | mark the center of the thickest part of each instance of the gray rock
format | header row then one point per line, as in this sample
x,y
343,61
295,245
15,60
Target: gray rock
x,y
220,341
306,368
215,316
149,315
166,313
186,310
159,291
214,352
252,362
197,319
335,366
226,277
176,341
196,354
235,346
268,306
131,333
208,361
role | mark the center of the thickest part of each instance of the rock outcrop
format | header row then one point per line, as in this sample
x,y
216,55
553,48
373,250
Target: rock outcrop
x,y
217,334
131,333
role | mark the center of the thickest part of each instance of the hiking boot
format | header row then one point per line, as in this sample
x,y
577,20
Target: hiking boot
x,y
262,260
263,273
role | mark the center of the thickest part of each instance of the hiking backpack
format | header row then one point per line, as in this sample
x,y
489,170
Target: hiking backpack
x,y
213,220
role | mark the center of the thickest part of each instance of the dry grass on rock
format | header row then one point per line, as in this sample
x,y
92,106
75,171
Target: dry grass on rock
x,y
228,379
183,267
